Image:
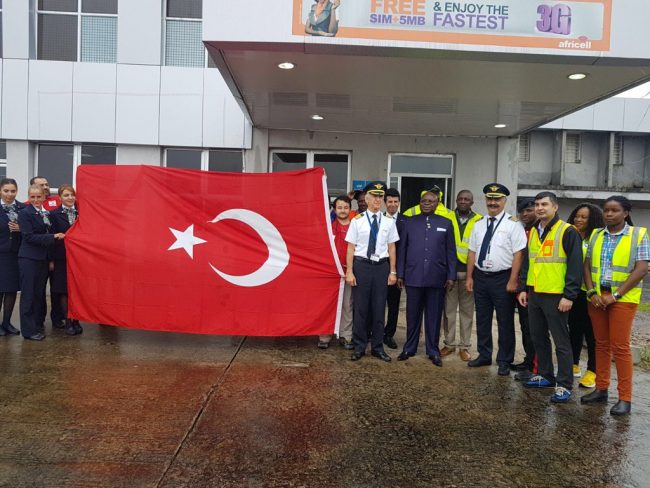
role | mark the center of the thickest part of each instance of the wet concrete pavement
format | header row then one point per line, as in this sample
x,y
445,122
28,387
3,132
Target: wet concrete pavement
x,y
117,407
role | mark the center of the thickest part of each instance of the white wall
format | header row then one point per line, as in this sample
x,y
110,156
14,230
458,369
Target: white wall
x,y
475,157
139,33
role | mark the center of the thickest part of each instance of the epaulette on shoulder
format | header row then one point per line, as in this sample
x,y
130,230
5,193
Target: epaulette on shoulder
x,y
513,218
358,216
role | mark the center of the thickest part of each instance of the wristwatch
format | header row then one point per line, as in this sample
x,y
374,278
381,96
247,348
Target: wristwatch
x,y
616,295
591,293
393,272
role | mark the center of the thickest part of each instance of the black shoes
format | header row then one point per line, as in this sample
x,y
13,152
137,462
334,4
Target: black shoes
x,y
77,327
436,360
504,369
478,362
403,356
35,337
596,396
72,327
9,329
390,342
621,408
356,356
58,324
524,375
381,355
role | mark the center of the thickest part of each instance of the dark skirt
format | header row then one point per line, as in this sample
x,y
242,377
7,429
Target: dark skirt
x,y
9,276
59,279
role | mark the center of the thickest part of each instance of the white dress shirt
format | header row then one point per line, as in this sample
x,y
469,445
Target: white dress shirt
x,y
359,234
509,238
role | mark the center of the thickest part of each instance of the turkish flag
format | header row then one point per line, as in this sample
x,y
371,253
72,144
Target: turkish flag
x,y
207,253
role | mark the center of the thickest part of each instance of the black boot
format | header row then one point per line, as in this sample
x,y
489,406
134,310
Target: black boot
x,y
621,408
69,328
10,329
77,327
596,396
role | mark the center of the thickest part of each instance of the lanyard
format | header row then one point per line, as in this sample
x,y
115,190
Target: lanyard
x,y
378,220
494,231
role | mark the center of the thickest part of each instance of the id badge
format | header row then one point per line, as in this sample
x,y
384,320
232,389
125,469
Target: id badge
x,y
487,264
375,258
607,275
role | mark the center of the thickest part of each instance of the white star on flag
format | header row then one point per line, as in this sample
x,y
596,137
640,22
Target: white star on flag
x,y
185,240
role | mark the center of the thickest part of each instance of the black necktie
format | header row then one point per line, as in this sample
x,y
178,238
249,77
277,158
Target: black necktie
x,y
372,242
486,242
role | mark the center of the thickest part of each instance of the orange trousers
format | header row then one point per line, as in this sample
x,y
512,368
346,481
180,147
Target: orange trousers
x,y
613,332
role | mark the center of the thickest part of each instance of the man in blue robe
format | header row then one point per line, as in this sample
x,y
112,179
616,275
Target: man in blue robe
x,y
426,265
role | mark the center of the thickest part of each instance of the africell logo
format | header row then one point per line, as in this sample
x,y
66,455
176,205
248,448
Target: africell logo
x,y
555,19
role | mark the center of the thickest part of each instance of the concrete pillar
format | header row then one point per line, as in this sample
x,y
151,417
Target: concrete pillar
x,y
20,164
256,159
507,168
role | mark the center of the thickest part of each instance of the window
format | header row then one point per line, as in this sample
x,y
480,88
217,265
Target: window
x,y
524,147
77,30
95,154
572,147
205,159
183,34
58,162
183,158
228,161
616,150
0,28
3,156
336,165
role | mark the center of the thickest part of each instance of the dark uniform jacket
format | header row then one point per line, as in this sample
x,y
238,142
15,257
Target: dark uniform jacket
x,y
9,241
38,238
427,252
60,223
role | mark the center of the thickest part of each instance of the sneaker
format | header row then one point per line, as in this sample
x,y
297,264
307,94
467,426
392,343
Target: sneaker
x,y
588,380
561,395
576,371
323,344
538,381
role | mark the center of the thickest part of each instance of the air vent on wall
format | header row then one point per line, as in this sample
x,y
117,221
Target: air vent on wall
x,y
414,105
332,100
290,99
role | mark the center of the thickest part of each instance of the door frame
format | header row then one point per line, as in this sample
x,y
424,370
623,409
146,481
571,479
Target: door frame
x,y
399,176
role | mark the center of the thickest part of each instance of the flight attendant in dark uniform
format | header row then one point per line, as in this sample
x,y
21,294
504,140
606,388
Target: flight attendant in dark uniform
x,y
62,219
33,263
9,244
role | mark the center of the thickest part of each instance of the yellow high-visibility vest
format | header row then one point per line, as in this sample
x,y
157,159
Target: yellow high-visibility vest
x,y
462,241
547,261
585,246
623,261
440,209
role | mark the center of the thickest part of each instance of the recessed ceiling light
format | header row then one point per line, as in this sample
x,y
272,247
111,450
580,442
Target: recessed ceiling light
x,y
317,117
577,76
286,65
500,126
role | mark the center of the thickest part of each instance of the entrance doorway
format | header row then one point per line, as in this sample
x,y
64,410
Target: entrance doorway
x,y
413,173
412,186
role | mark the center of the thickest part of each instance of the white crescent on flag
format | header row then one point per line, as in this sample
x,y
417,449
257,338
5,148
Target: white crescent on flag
x,y
278,254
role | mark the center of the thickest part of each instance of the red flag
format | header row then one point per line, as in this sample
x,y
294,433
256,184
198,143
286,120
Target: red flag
x,y
207,253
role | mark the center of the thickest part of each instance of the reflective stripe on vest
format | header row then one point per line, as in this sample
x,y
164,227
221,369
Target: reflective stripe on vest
x,y
623,261
547,261
462,243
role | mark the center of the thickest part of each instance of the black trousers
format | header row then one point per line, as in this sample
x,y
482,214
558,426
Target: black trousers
x,y
490,295
430,302
392,299
369,298
56,312
33,280
579,328
526,339
544,318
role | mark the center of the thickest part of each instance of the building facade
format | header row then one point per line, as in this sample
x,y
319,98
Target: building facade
x,y
131,82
